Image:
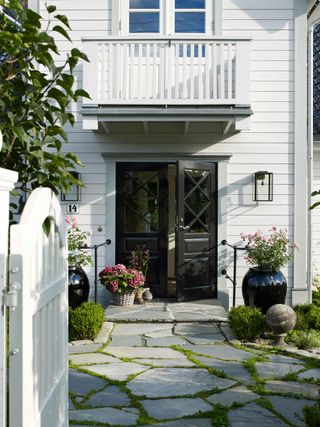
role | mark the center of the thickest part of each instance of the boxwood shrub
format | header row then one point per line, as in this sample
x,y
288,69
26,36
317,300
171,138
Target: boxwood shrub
x,y
85,321
247,323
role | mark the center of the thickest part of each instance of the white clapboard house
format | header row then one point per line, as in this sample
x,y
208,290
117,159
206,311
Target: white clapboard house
x,y
196,131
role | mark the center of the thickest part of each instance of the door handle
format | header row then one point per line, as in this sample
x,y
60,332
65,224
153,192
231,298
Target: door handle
x,y
184,228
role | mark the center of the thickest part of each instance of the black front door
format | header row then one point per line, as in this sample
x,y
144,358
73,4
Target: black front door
x,y
196,248
142,217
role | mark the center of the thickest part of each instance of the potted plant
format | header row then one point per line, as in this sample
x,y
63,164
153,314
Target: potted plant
x,y
77,259
264,284
139,260
122,282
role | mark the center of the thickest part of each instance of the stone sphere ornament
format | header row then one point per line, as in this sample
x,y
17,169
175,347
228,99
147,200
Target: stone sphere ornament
x,y
147,295
281,319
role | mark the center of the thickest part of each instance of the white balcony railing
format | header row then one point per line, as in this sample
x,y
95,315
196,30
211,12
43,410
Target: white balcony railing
x,y
212,71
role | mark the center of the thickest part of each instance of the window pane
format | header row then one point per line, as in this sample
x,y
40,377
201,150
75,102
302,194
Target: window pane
x,y
190,22
143,22
144,4
190,4
141,207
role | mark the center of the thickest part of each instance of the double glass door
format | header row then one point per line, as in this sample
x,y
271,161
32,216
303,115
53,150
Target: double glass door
x,y
143,203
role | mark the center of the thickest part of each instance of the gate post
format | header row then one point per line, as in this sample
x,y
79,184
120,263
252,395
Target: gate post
x,y
7,180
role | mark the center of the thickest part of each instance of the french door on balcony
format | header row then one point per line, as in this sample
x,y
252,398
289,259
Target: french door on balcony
x,y
144,198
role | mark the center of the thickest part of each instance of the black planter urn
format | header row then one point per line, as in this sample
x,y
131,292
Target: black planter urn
x,y
78,286
263,289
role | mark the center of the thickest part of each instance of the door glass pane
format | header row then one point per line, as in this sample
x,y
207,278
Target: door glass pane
x,y
144,4
197,201
141,202
144,22
190,4
190,22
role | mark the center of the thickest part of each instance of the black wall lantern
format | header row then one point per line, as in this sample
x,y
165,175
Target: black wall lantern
x,y
74,194
263,186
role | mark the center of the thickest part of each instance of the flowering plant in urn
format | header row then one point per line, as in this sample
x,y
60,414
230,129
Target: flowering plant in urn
x,y
139,259
119,279
271,252
77,240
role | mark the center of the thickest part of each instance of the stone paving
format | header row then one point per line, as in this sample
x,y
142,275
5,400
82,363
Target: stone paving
x,y
186,375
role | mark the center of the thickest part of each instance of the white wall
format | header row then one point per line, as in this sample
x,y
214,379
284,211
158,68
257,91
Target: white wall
x,y
269,145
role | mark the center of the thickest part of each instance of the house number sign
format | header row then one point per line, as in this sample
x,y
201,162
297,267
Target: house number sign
x,y
73,208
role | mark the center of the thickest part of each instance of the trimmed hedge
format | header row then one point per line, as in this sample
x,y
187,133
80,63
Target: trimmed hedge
x,y
247,323
85,321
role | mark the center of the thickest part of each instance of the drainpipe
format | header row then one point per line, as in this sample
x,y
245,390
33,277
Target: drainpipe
x,y
310,156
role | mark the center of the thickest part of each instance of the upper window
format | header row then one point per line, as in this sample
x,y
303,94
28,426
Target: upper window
x,y
144,16
190,16
167,17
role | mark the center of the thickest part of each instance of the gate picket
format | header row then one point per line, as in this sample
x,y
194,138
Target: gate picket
x,y
38,331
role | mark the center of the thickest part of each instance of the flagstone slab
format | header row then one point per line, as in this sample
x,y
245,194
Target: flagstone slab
x,y
228,397
80,348
166,382
159,334
92,358
118,371
110,396
205,339
145,352
169,363
175,408
223,351
276,370
165,341
278,358
310,374
290,408
140,328
232,369
196,329
81,383
253,415
125,340
193,422
300,389
111,416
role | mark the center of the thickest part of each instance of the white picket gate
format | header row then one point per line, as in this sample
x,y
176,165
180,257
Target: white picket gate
x,y
38,331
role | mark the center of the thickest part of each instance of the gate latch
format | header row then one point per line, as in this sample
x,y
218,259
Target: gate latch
x,y
10,296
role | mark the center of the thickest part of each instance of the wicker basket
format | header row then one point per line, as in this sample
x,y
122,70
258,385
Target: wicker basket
x,y
125,298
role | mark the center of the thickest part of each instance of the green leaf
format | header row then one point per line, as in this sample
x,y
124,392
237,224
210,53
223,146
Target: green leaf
x,y
46,226
51,8
77,53
63,19
82,93
314,205
61,31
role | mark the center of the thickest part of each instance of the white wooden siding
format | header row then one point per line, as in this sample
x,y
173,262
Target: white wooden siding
x,y
316,212
269,145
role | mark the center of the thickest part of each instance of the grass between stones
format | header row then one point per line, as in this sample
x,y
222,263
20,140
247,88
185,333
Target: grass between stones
x,y
219,414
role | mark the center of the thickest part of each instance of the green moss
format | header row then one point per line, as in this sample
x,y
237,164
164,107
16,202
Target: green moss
x,y
312,415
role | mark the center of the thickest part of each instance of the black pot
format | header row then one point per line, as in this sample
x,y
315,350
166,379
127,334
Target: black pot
x,y
78,286
263,289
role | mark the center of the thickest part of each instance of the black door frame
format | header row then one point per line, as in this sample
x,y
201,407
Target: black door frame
x,y
121,167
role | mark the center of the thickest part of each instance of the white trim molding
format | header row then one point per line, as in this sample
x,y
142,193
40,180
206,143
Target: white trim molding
x,y
222,159
300,282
